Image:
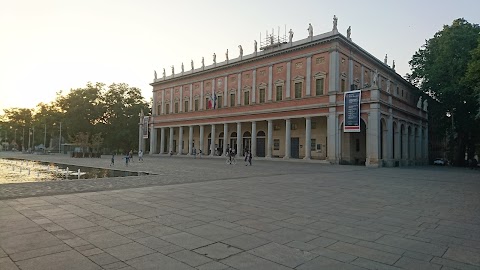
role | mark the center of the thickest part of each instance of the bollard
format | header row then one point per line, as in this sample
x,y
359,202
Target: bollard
x,y
78,173
38,173
28,171
66,174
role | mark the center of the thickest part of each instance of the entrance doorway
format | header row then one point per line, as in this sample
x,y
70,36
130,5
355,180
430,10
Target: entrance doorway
x,y
295,147
260,144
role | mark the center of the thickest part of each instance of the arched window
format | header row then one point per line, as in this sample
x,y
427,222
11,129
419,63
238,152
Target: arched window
x,y
233,135
247,134
260,134
209,135
220,135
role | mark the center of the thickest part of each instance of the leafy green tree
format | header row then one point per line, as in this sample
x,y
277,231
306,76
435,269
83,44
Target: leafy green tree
x,y
19,119
439,69
123,104
82,109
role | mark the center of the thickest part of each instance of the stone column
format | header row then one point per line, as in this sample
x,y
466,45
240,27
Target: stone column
x,y
390,138
362,77
170,141
332,136
254,139
397,138
270,82
308,138
225,139
225,92
239,89
201,97
425,145
405,143
334,71
172,101
212,144
269,138
308,84
180,104
190,140
239,139
373,132
288,139
163,102
254,85
287,83
153,140
162,140
190,106
140,133
350,74
201,143
180,141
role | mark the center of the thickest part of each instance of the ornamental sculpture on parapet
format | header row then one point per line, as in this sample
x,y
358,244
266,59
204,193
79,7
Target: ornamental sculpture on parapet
x,y
310,30
226,55
241,51
290,36
173,70
203,62
191,63
164,75
349,33
155,74
255,47
335,22
214,58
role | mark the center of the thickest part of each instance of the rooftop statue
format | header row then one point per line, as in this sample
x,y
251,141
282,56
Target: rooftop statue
x,y
214,58
255,46
425,105
385,59
419,102
226,55
310,30
241,50
155,74
164,73
182,67
349,32
335,22
290,36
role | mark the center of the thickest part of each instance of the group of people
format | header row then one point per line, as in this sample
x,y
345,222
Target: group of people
x,y
128,158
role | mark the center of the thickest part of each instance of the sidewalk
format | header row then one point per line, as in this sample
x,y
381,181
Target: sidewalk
x,y
204,214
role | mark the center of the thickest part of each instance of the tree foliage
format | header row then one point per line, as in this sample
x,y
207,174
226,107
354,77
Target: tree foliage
x,y
94,116
439,69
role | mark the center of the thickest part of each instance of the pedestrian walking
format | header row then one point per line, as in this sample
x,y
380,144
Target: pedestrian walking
x,y
140,156
194,153
112,161
127,157
250,158
130,156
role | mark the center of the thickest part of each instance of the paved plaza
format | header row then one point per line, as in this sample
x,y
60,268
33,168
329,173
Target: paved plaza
x,y
204,214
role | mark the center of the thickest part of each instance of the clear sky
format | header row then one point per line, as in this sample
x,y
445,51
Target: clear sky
x,y
52,45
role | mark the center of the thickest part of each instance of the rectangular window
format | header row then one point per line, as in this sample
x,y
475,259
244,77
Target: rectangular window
x,y
196,104
319,86
298,90
159,109
176,107
185,108
261,94
219,102
167,108
313,143
279,93
206,103
276,144
343,85
246,98
232,100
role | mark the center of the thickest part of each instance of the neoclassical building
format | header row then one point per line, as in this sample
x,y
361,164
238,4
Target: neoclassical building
x,y
286,100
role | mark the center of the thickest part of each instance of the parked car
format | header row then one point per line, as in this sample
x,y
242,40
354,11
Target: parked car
x,y
439,161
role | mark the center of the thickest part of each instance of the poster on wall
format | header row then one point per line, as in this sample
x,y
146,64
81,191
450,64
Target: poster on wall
x,y
145,127
351,111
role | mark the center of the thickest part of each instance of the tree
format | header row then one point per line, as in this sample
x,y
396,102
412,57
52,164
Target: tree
x,y
439,70
123,104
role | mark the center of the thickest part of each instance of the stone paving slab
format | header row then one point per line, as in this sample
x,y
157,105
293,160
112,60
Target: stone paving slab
x,y
273,215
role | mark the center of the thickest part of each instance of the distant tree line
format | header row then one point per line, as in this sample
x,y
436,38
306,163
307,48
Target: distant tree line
x,y
96,118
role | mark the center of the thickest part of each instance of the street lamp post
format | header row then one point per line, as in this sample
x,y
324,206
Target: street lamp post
x,y
60,139
29,133
23,139
45,139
